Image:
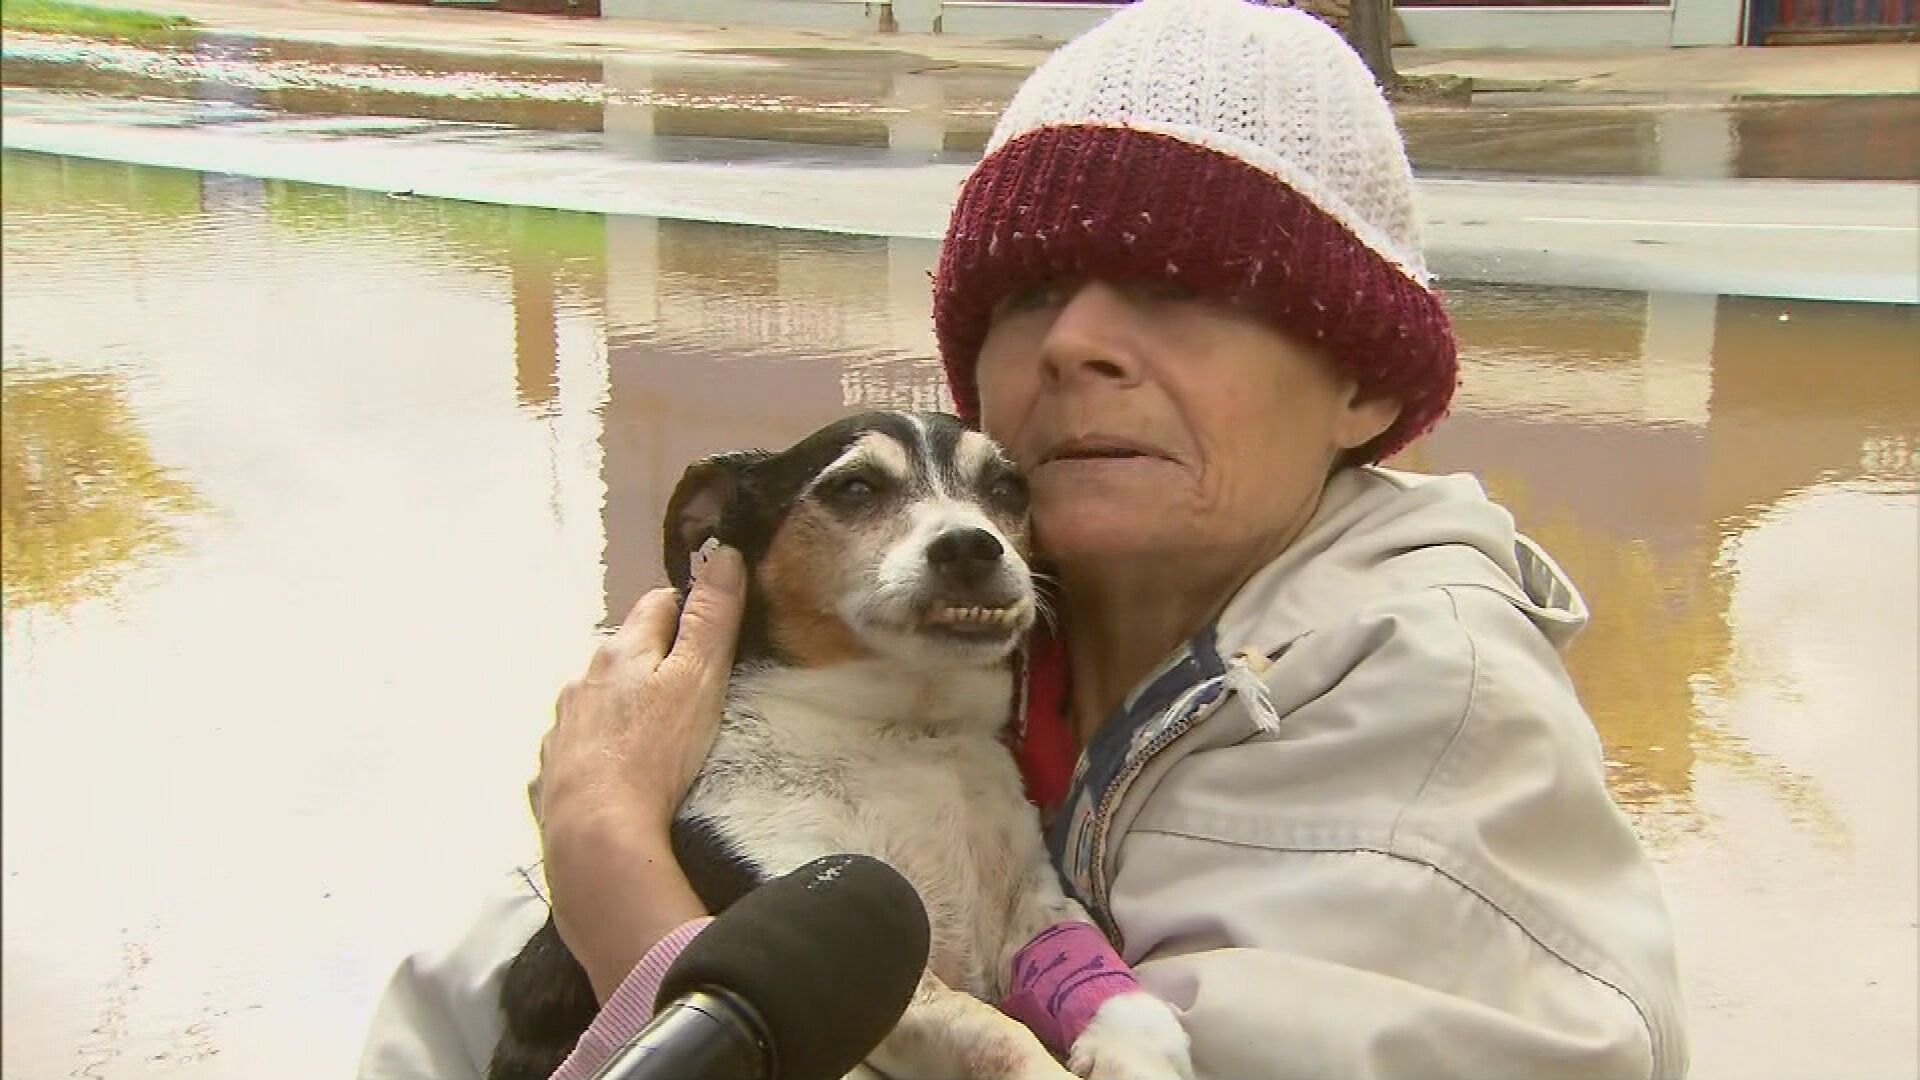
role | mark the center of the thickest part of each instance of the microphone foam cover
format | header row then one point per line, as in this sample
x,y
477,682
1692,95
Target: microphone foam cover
x,y
828,955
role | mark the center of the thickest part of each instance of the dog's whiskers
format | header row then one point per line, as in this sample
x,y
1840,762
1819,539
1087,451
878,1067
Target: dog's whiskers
x,y
1045,589
1044,612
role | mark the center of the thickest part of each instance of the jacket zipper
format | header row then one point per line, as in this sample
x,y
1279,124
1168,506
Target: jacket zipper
x,y
1110,800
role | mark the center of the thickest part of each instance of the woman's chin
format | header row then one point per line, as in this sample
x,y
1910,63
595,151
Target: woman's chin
x,y
1093,513
1103,533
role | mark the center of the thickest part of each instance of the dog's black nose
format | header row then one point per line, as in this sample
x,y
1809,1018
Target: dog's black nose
x,y
964,556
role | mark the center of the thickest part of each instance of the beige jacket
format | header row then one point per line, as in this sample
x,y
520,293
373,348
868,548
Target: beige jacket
x,y
1358,828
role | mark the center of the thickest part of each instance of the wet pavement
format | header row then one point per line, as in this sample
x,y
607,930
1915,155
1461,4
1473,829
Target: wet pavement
x,y
772,99
774,102
313,497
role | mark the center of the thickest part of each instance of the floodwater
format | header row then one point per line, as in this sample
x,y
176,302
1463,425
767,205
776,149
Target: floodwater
x,y
723,106
313,498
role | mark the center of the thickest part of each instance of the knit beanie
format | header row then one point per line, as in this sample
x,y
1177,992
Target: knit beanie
x,y
1239,151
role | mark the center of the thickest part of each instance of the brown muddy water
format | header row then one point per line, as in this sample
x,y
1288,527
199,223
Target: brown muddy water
x,y
722,106
313,498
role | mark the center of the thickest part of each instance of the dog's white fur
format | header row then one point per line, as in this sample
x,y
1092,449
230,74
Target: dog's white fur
x,y
898,756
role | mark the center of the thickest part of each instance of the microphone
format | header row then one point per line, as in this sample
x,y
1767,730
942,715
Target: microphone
x,y
799,980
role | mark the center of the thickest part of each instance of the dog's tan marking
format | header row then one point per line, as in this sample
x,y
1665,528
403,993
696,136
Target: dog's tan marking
x,y
974,454
800,575
875,449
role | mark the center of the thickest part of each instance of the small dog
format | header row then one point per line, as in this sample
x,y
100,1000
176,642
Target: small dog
x,y
888,591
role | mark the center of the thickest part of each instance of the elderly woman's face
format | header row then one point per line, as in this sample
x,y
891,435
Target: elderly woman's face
x,y
1149,422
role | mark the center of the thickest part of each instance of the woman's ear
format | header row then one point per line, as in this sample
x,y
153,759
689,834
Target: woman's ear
x,y
699,505
1363,417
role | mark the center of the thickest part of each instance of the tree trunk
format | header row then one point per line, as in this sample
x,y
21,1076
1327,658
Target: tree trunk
x,y
1370,32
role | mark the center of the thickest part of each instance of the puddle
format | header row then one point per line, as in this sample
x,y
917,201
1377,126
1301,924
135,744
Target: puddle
x,y
327,492
1861,138
759,104
715,97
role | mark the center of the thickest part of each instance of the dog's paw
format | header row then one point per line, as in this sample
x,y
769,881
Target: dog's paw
x,y
1133,1036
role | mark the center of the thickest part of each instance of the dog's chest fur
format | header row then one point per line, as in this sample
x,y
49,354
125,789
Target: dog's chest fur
x,y
908,768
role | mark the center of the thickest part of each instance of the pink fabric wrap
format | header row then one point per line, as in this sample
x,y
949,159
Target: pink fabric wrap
x,y
1061,978
628,1009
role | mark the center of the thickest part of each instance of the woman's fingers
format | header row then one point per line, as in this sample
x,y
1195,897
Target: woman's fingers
x,y
710,621
642,639
630,735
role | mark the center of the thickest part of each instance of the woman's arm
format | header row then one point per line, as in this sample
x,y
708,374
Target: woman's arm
x,y
627,740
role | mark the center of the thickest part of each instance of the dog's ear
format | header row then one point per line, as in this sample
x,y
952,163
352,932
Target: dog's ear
x,y
705,492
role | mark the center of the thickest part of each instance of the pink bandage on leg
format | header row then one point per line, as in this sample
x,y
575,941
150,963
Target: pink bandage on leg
x,y
1061,978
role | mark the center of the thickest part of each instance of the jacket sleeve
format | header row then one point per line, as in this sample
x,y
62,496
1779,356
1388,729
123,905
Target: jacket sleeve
x,y
439,1017
1419,874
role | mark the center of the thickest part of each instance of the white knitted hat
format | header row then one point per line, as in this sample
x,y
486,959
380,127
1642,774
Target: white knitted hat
x,y
1272,86
1234,147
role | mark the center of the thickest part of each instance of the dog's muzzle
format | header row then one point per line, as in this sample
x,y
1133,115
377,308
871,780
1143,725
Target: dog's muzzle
x,y
974,592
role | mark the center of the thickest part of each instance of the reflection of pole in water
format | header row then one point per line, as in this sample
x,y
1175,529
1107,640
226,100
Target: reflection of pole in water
x,y
1695,139
918,130
701,360
536,333
627,116
1804,391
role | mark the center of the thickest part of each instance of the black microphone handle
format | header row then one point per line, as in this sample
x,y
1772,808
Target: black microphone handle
x,y
701,1035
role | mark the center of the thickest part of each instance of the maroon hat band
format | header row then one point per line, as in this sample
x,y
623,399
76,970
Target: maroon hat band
x,y
1087,202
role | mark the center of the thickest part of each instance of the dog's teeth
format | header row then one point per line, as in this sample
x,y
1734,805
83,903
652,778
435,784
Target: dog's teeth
x,y
987,616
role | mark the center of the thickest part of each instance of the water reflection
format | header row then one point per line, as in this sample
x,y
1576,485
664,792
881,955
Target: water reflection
x,y
438,438
719,338
1638,437
315,79
87,192
902,107
1861,138
82,501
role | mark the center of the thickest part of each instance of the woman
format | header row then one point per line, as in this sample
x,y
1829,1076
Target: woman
x,y
1336,801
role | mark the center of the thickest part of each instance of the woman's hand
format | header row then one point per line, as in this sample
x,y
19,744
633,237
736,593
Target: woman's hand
x,y
627,740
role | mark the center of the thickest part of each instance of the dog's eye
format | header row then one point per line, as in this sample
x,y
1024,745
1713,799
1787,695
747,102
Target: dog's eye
x,y
852,489
1009,491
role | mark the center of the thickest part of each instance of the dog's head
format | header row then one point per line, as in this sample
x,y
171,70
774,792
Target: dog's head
x,y
893,535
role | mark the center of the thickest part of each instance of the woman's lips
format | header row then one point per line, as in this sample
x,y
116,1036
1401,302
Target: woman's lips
x,y
1101,448
1100,461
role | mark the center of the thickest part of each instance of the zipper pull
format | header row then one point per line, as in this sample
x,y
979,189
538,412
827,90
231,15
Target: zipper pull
x,y
1243,679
